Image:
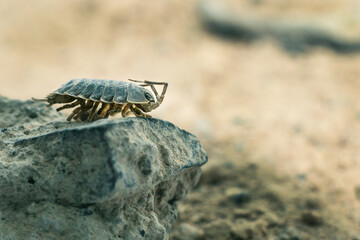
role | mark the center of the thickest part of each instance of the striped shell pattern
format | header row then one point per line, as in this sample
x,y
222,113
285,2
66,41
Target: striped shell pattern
x,y
107,91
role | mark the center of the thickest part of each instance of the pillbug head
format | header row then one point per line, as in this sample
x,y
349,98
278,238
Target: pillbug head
x,y
149,96
147,107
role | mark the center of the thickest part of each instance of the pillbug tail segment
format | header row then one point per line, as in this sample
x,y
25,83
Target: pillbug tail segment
x,y
43,100
40,99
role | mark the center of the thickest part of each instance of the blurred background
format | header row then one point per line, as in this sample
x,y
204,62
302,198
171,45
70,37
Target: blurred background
x,y
270,87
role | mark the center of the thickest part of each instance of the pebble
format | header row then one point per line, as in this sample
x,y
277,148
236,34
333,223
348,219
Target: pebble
x,y
218,174
218,229
238,195
242,231
312,203
272,219
311,218
242,213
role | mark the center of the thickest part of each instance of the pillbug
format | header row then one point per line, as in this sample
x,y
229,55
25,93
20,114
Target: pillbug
x,y
114,96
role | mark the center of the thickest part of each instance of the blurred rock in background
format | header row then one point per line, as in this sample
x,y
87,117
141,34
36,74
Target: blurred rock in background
x,y
294,35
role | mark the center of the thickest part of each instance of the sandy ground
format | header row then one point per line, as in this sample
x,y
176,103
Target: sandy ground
x,y
282,131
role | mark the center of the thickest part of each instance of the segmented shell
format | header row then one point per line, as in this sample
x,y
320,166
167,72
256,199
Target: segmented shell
x,y
108,91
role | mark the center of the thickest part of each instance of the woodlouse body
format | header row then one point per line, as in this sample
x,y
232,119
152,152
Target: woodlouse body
x,y
114,97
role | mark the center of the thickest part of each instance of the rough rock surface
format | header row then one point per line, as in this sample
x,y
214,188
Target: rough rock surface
x,y
110,179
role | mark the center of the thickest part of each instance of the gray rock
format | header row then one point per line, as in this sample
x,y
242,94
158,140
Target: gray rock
x,y
294,36
110,179
28,113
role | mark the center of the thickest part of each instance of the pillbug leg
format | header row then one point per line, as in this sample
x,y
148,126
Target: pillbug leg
x,y
110,110
93,111
137,111
104,110
101,109
115,108
125,110
88,105
76,110
74,104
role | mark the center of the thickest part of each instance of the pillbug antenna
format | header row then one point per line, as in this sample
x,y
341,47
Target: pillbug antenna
x,y
43,100
151,84
162,96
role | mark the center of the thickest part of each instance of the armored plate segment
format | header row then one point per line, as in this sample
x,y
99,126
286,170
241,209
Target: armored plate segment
x,y
77,88
66,86
89,90
121,92
98,92
109,92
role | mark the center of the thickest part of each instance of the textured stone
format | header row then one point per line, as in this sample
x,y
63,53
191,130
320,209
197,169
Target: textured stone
x,y
28,113
109,179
